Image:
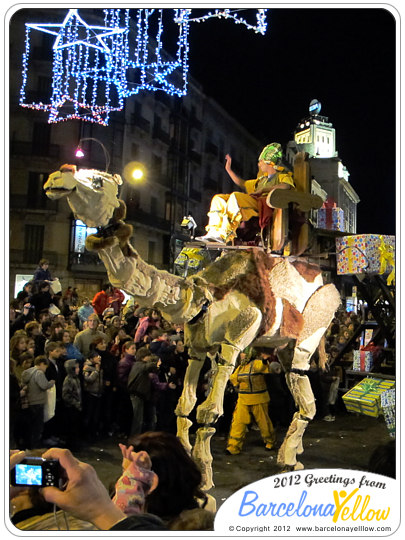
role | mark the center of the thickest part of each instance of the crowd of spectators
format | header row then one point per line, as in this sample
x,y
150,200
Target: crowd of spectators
x,y
92,369
83,369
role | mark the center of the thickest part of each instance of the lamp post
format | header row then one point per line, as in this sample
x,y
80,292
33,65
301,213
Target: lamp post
x,y
80,153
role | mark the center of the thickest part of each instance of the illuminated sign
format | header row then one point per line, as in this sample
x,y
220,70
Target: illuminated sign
x,y
315,107
80,233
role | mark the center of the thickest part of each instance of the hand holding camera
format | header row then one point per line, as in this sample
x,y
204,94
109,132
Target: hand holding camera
x,y
83,494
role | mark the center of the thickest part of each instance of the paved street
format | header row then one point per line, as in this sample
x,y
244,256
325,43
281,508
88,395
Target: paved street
x,y
346,443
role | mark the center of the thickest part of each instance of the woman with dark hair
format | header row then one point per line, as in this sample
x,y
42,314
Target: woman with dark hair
x,y
18,345
178,499
124,405
109,367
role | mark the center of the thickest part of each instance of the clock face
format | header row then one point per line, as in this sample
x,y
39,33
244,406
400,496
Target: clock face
x,y
315,107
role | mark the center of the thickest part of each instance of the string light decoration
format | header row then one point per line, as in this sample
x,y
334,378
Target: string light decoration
x,y
233,14
94,68
89,63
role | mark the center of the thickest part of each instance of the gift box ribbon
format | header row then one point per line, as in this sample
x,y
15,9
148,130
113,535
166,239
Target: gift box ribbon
x,y
367,386
362,360
387,258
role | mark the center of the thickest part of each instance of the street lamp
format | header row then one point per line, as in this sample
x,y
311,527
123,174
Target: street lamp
x,y
134,172
80,153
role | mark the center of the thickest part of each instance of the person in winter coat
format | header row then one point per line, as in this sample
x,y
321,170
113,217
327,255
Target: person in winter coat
x,y
124,406
72,399
145,323
42,272
101,300
109,368
140,390
25,317
72,352
93,389
84,312
85,338
37,384
156,403
43,299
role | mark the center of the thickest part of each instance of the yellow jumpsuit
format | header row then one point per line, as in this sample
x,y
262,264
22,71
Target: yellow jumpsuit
x,y
228,210
253,400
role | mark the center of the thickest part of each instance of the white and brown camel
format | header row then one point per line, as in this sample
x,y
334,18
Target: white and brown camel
x,y
246,297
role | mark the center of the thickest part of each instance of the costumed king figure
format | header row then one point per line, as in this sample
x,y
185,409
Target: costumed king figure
x,y
227,211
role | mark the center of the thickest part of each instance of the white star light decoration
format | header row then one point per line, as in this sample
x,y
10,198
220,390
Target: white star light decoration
x,y
95,67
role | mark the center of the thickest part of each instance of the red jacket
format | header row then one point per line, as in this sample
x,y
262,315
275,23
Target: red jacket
x,y
100,302
116,299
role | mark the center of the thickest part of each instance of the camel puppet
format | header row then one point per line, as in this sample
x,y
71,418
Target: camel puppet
x,y
245,297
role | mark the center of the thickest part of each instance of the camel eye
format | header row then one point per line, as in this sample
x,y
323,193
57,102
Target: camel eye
x,y
97,183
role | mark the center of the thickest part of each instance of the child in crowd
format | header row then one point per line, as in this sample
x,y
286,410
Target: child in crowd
x,y
93,388
37,384
72,399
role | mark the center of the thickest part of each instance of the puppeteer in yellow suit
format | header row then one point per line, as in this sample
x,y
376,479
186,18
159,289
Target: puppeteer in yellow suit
x,y
253,401
227,211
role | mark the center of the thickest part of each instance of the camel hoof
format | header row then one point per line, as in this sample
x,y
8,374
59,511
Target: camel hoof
x,y
289,468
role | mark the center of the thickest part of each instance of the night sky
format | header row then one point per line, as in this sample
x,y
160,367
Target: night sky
x,y
345,58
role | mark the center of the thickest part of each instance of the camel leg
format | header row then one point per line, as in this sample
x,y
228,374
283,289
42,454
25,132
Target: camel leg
x,y
300,388
239,334
187,400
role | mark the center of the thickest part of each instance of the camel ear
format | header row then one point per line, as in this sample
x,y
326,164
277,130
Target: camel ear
x,y
117,179
68,168
120,213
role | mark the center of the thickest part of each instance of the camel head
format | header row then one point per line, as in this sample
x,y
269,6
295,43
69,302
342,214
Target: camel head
x,y
92,195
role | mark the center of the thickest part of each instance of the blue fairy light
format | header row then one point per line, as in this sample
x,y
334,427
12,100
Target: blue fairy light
x,y
95,68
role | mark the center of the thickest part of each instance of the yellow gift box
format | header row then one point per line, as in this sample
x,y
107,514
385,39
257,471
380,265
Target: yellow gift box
x,y
365,397
370,253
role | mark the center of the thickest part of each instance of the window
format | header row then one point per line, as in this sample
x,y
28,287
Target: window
x,y
41,137
151,251
156,165
153,206
33,243
135,151
36,197
79,234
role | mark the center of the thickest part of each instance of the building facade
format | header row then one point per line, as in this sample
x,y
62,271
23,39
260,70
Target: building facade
x,y
180,143
316,135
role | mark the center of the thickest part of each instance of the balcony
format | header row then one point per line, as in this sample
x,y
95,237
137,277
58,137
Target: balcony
x,y
35,205
211,148
158,133
195,195
211,184
195,156
144,218
195,122
140,122
163,98
21,257
26,148
85,262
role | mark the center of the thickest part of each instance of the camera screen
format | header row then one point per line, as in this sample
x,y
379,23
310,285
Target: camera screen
x,y
29,475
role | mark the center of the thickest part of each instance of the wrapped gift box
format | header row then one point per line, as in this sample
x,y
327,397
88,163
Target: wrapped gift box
x,y
365,397
388,408
331,217
359,253
362,360
192,258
